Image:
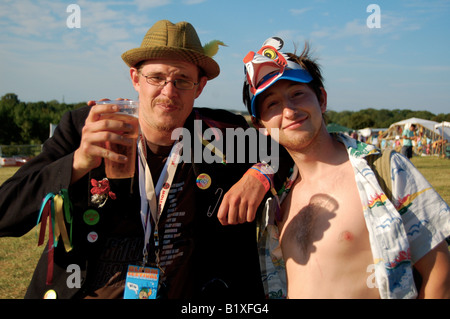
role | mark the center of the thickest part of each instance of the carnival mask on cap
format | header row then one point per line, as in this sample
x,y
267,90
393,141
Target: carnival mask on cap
x,y
269,65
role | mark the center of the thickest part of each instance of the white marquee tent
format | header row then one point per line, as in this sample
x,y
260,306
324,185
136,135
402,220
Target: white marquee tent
x,y
434,131
443,129
430,128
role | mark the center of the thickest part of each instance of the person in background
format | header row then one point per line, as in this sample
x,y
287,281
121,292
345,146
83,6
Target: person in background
x,y
408,135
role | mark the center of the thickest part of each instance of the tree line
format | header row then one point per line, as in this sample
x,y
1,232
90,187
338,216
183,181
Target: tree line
x,y
29,122
382,118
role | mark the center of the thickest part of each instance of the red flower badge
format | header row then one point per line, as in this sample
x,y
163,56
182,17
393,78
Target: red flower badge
x,y
101,191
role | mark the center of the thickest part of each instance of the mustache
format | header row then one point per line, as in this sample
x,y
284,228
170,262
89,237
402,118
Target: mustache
x,y
164,101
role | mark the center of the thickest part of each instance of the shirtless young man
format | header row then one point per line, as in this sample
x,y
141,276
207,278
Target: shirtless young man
x,y
331,234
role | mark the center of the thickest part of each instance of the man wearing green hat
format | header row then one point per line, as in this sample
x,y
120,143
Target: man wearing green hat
x,y
176,235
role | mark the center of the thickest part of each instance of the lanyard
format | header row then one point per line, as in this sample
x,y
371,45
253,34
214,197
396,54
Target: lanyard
x,y
153,198
206,143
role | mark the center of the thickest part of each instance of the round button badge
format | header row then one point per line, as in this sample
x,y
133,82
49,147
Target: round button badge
x,y
203,181
91,217
50,294
92,237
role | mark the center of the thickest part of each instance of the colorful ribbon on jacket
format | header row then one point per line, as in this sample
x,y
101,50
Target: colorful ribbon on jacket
x,y
55,211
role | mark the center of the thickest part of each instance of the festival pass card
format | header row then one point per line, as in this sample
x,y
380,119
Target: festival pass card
x,y
141,283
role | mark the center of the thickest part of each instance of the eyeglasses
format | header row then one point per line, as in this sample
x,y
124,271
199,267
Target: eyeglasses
x,y
180,84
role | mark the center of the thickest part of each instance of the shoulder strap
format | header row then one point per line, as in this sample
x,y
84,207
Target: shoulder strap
x,y
381,166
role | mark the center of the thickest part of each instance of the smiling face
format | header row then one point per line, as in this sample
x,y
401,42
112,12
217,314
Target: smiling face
x,y
165,108
294,109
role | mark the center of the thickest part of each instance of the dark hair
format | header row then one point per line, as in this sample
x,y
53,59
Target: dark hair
x,y
306,62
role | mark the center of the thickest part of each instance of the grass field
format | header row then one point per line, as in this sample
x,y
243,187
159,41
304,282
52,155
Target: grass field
x,y
18,256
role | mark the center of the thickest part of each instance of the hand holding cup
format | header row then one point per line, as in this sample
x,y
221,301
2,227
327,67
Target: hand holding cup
x,y
127,114
105,126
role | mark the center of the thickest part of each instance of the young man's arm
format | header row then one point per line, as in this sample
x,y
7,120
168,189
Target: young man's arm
x,y
434,269
240,203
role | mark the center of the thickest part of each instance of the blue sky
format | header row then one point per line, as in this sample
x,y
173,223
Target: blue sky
x,y
403,64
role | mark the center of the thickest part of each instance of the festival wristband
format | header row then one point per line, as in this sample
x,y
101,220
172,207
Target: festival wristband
x,y
265,169
258,172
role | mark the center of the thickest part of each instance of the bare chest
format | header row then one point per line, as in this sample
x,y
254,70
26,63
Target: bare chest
x,y
324,218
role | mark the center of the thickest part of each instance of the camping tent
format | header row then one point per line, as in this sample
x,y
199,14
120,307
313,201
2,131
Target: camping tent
x,y
443,129
367,132
333,127
428,128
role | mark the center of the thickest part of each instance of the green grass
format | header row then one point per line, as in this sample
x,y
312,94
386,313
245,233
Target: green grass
x,y
436,171
6,172
19,256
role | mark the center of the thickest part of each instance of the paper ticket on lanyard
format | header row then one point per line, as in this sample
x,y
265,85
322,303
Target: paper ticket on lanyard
x,y
141,283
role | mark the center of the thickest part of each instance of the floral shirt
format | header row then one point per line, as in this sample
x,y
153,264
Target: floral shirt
x,y
400,232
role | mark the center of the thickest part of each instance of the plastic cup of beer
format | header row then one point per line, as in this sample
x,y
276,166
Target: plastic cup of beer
x,y
128,113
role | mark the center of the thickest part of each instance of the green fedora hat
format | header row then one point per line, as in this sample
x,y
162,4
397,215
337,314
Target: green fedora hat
x,y
165,40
